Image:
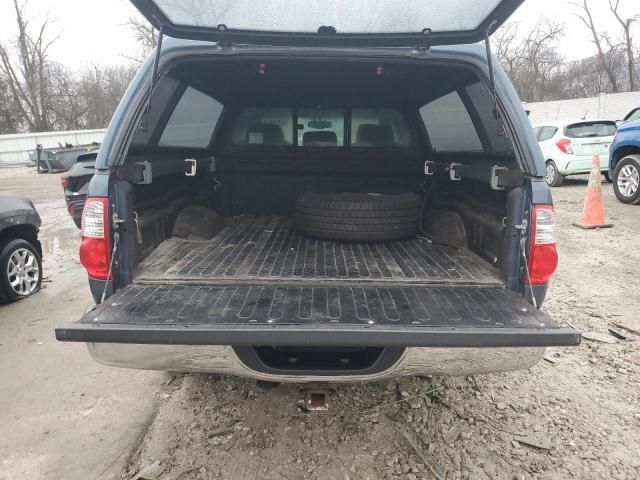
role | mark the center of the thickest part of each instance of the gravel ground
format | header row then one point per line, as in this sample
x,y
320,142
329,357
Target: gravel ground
x,y
574,415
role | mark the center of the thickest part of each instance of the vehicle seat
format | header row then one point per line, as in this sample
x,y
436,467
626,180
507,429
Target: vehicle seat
x,y
320,139
373,135
271,134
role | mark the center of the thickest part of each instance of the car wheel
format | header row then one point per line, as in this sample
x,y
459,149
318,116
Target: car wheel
x,y
20,270
626,180
607,177
358,217
553,177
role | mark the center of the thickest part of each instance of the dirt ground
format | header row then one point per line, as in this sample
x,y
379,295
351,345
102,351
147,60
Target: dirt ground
x,y
63,415
574,415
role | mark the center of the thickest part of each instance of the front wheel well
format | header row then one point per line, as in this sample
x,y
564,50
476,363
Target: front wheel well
x,y
623,152
25,231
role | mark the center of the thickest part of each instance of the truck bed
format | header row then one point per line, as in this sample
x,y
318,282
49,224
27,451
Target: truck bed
x,y
268,251
260,283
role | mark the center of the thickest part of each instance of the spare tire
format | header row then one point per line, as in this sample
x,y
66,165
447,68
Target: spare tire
x,y
358,217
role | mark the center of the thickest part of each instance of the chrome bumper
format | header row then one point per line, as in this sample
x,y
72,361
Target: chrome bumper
x,y
223,360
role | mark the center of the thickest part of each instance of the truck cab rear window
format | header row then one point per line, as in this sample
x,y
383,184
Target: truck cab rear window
x,y
271,127
324,127
383,127
321,127
192,122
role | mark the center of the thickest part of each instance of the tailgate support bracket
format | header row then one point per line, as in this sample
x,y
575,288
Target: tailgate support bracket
x,y
154,79
492,79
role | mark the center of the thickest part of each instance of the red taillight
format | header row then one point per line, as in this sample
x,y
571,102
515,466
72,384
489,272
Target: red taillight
x,y
64,180
95,253
543,256
564,144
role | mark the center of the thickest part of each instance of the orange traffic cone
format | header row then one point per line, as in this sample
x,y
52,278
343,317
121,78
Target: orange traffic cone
x,y
593,211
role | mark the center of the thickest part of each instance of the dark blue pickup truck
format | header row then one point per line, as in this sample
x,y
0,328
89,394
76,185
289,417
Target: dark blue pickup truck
x,y
331,191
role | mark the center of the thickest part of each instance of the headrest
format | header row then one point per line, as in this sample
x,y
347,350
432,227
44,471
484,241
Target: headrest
x,y
271,134
376,135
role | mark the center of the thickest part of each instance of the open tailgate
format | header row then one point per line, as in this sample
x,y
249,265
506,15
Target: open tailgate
x,y
426,316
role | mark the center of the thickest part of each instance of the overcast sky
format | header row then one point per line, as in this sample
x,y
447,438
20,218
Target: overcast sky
x,y
94,31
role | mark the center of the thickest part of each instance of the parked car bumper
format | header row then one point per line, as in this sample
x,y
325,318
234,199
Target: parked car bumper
x,y
223,359
75,205
580,164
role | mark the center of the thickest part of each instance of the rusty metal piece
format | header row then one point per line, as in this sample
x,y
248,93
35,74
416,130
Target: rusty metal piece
x,y
316,396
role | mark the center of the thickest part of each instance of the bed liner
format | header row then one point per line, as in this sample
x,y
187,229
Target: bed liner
x,y
264,250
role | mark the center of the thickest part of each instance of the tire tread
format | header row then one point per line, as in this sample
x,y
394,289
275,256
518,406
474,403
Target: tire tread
x,y
358,216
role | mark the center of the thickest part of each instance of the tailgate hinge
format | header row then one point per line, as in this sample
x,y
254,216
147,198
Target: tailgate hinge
x,y
223,43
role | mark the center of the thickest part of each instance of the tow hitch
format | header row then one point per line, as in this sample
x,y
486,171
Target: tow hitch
x,y
315,398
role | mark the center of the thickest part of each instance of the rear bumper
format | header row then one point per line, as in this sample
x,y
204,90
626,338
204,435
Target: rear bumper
x,y
580,164
75,205
223,360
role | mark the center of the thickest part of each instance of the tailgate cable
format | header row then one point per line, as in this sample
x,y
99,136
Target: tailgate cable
x,y
116,242
523,236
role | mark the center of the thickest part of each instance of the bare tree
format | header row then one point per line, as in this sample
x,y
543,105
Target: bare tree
x,y
626,23
507,49
533,62
9,121
101,88
38,94
27,77
586,18
66,105
145,35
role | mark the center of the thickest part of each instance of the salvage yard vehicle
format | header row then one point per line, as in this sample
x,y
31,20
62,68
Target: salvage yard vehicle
x,y
568,147
625,160
75,184
632,115
20,249
320,203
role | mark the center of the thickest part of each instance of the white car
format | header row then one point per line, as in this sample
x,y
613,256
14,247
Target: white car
x,y
569,146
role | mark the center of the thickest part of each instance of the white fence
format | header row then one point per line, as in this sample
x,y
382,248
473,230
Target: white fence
x,y
14,149
611,106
